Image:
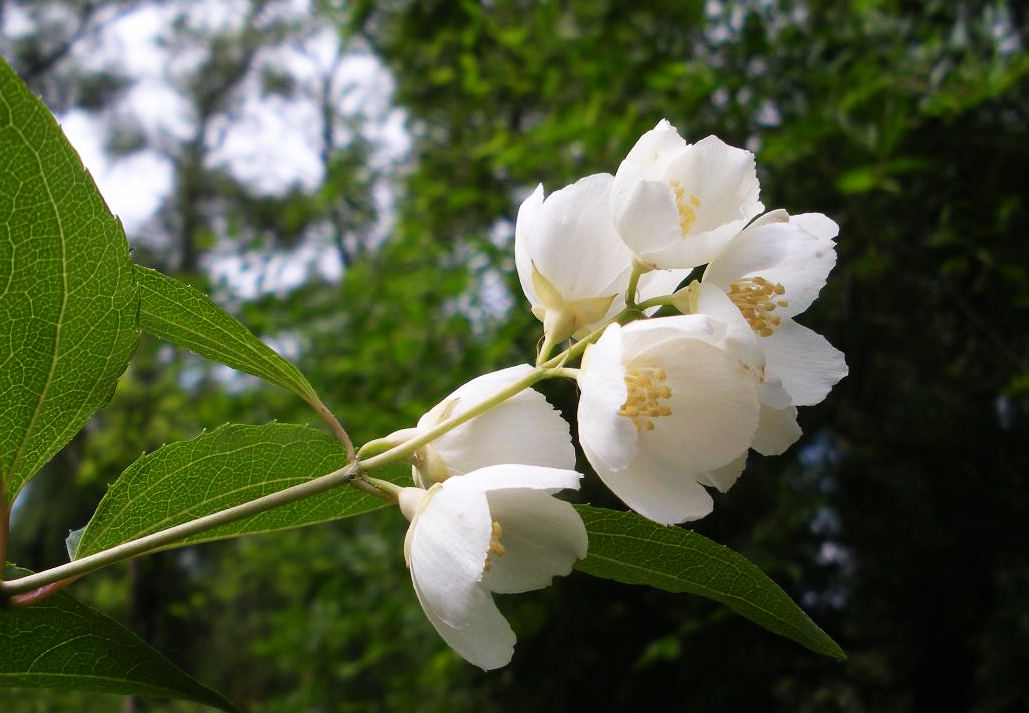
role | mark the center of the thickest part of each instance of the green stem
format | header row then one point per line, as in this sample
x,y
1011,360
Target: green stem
x,y
638,268
350,473
30,598
156,540
655,302
548,346
337,428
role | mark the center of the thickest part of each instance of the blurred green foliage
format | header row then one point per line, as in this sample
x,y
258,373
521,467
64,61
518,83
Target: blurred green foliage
x,y
898,520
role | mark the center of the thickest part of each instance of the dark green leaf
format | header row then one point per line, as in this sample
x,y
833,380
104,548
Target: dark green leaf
x,y
61,643
68,309
180,314
628,548
228,466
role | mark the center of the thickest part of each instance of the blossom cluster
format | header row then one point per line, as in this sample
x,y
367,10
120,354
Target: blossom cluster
x,y
669,406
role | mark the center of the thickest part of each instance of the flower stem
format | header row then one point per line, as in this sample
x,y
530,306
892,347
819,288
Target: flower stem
x,y
326,415
638,268
37,584
126,550
30,598
548,346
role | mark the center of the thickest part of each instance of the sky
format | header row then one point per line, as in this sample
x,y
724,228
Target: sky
x,y
270,142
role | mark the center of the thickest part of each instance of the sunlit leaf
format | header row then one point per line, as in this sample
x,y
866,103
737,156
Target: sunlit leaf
x,y
61,643
180,314
217,470
628,548
69,304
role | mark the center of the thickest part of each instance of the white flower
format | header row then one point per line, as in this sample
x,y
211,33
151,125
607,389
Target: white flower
x,y
668,404
769,273
523,429
497,529
573,266
675,204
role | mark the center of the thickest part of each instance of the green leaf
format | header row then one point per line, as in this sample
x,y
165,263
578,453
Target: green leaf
x,y
69,303
231,465
628,548
61,643
180,314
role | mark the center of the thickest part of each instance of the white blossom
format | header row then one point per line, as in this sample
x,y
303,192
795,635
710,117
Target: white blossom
x,y
676,204
669,405
523,429
497,529
768,274
572,264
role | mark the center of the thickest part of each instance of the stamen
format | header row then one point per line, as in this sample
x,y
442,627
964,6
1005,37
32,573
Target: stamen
x,y
645,389
495,548
754,297
687,208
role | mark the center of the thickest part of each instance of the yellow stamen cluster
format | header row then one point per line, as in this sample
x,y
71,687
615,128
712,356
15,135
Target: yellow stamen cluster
x,y
756,298
645,388
687,208
495,548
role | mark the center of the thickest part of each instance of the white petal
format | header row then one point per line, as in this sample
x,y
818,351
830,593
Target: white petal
x,y
777,431
515,477
741,341
576,246
605,436
657,283
523,429
784,253
714,407
542,538
693,250
753,251
646,217
485,640
771,392
819,225
806,363
569,243
648,334
804,270
650,157
448,541
723,177
658,490
526,225
725,477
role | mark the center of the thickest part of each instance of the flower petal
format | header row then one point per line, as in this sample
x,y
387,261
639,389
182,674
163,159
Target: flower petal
x,y
650,156
447,542
723,178
526,225
576,245
740,339
725,477
523,429
605,436
658,490
516,477
542,538
646,217
781,252
777,431
658,283
485,640
714,407
806,363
